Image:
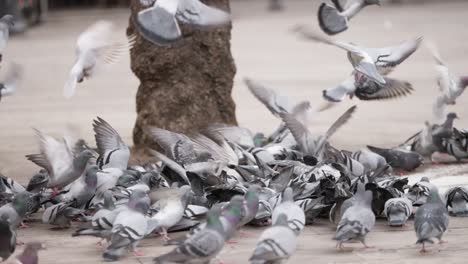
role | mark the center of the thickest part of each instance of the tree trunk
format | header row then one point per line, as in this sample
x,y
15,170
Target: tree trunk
x,y
184,86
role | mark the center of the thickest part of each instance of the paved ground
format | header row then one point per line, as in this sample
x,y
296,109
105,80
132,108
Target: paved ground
x,y
264,49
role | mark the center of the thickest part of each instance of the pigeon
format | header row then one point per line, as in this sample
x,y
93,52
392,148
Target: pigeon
x,y
6,22
7,238
451,86
60,215
296,216
431,220
456,146
94,47
159,24
423,142
399,158
17,209
129,228
333,20
456,199
38,181
276,243
398,210
251,205
201,247
113,152
10,84
369,159
82,190
357,221
419,192
57,157
309,145
371,65
30,253
171,204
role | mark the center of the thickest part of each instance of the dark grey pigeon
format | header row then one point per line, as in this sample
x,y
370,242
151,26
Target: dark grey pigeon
x,y
431,220
399,158
357,221
7,238
333,20
456,199
38,181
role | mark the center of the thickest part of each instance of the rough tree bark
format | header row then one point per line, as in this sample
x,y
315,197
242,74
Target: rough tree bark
x,y
184,86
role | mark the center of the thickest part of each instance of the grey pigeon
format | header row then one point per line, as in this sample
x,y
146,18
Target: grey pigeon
x,y
7,238
57,157
456,199
113,152
171,204
339,208
334,20
17,209
456,146
369,159
201,247
30,253
251,205
399,158
431,220
129,228
93,48
60,215
10,84
357,221
82,190
5,23
159,24
423,142
296,216
450,86
276,243
398,210
38,181
419,192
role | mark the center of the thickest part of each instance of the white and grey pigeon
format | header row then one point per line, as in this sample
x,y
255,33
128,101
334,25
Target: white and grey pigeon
x,y
82,190
296,216
457,199
451,86
60,215
276,243
334,19
5,23
128,229
431,220
9,85
58,158
369,159
159,24
398,210
95,47
357,221
371,65
201,247
113,152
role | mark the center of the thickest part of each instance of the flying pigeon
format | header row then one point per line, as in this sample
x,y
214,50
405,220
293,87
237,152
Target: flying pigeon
x,y
276,243
295,214
201,247
451,86
129,228
333,20
5,23
357,221
159,24
57,157
94,48
10,84
398,210
431,220
113,152
456,199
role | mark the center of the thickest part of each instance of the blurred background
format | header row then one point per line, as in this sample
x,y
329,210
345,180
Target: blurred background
x,y
264,49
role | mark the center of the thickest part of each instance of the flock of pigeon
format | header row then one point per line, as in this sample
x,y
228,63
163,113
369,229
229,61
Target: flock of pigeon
x,y
217,180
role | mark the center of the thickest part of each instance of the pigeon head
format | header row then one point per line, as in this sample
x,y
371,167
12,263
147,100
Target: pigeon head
x,y
213,221
452,116
137,195
82,159
234,209
288,195
141,206
91,176
108,200
259,139
8,19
